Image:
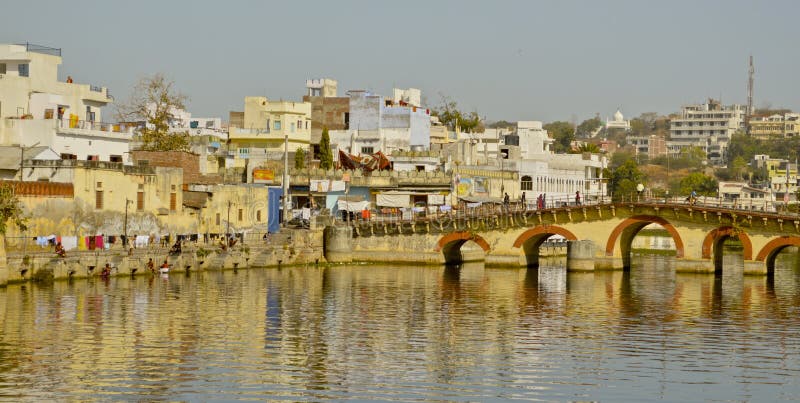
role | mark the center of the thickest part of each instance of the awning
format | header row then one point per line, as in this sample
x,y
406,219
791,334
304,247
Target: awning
x,y
352,203
394,200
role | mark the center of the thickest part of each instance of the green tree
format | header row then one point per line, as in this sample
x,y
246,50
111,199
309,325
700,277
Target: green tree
x,y
588,127
325,153
299,158
738,167
588,148
10,209
155,101
624,179
452,117
563,133
702,184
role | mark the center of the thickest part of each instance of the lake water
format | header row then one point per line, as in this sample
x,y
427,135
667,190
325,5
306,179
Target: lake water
x,y
407,334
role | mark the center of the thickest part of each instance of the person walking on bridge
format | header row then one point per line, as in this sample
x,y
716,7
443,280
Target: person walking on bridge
x,y
577,197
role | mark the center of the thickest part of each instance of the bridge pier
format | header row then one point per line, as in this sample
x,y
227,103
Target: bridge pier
x,y
580,255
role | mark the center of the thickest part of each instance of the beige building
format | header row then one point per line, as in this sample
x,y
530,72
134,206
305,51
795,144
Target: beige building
x,y
29,86
265,126
112,199
36,108
787,125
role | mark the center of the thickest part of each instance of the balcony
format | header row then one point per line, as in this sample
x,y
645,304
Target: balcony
x,y
83,127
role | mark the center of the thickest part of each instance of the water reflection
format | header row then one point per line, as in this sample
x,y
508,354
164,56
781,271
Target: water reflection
x,y
408,333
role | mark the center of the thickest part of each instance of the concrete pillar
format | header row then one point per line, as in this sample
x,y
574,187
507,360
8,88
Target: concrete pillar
x,y
580,255
338,244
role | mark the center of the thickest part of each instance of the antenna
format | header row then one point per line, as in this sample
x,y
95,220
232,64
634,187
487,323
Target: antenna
x,y
750,73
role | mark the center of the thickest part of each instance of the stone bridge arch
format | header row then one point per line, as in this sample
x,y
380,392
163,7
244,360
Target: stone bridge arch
x,y
712,245
532,239
773,247
451,243
628,229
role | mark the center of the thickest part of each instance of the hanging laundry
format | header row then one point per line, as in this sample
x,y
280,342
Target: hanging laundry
x,y
141,241
41,241
69,242
98,242
82,243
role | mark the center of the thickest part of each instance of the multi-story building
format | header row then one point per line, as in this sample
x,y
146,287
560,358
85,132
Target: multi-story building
x,y
525,163
651,146
266,126
328,110
710,126
37,108
378,124
767,127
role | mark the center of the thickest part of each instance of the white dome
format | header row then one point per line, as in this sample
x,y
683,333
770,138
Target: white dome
x,y
618,116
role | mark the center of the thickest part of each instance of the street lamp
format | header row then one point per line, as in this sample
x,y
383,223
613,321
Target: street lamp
x,y
125,224
639,190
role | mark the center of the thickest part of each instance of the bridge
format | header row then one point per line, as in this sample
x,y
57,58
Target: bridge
x,y
599,236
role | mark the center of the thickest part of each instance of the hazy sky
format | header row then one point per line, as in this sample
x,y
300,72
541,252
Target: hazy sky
x,y
526,60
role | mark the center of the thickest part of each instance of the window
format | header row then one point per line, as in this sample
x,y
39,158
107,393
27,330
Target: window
x,y
299,125
258,215
99,185
526,183
140,200
115,158
244,152
172,188
347,120
420,168
69,157
2,68
367,150
173,201
217,218
291,127
24,70
277,125
241,214
89,114
98,199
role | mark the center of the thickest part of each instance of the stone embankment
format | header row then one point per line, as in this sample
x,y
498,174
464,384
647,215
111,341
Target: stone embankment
x,y
292,247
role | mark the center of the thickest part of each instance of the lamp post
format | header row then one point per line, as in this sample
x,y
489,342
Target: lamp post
x,y
228,227
125,224
639,190
286,200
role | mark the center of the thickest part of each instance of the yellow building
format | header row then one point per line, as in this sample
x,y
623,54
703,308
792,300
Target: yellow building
x,y
782,178
787,125
266,125
29,86
83,198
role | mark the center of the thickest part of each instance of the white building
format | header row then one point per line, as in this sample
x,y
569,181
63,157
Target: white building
x,y
409,97
182,121
618,122
528,166
709,126
36,109
376,124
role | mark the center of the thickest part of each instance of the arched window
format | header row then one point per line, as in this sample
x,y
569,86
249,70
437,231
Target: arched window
x,y
526,183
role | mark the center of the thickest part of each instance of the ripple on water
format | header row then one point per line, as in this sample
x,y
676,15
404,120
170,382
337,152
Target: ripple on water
x,y
405,334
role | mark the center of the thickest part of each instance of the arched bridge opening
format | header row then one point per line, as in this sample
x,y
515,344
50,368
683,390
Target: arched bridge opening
x,y
771,250
714,245
627,230
450,245
531,240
